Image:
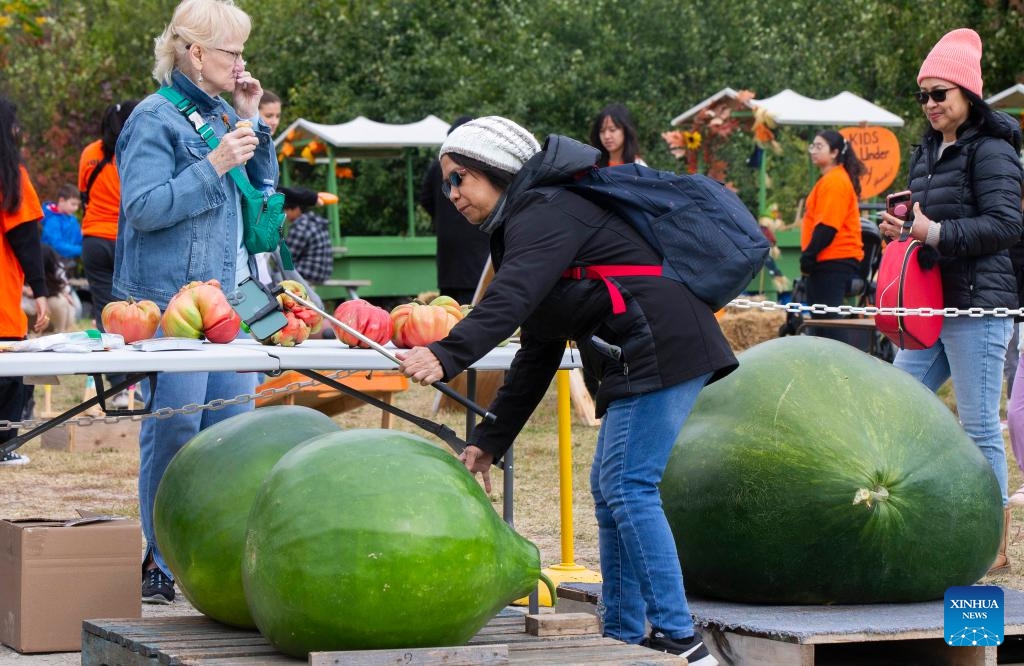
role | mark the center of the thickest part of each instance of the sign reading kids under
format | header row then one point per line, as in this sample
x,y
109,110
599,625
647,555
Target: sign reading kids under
x,y
973,616
879,150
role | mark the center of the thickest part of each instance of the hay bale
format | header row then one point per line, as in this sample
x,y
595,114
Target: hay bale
x,y
746,328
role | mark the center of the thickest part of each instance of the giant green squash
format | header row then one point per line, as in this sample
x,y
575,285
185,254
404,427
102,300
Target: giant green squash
x,y
373,539
817,474
204,497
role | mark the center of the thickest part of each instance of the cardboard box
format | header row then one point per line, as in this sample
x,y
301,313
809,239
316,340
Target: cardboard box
x,y
56,573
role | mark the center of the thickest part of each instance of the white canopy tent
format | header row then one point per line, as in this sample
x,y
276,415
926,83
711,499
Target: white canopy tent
x,y
363,137
792,108
1011,98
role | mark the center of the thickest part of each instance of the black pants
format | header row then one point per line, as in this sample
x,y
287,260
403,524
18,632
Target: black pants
x,y
827,285
98,262
13,393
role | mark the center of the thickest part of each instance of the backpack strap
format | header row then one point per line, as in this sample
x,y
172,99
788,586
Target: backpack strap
x,y
604,272
189,110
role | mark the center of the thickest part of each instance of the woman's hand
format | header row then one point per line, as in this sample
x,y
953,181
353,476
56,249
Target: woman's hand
x,y
479,461
420,365
42,315
891,227
236,148
246,95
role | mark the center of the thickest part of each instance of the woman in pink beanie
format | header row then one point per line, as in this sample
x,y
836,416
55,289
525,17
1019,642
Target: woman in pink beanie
x,y
966,182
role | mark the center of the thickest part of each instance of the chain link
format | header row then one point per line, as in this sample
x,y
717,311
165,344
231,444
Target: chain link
x,y
870,310
190,408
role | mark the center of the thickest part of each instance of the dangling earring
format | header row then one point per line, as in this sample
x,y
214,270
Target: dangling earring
x,y
200,80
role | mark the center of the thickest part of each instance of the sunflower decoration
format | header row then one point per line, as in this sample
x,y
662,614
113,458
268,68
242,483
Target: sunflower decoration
x,y
692,140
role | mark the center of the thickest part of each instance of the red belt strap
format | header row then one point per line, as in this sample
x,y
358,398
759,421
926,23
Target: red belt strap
x,y
604,272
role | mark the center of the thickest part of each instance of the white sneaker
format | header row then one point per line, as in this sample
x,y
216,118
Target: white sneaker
x,y
1017,499
13,458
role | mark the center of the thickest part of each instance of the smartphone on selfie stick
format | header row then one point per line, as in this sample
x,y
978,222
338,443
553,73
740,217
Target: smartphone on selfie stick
x,y
898,205
258,308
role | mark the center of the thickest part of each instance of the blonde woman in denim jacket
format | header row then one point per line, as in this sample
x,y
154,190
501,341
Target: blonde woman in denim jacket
x,y
180,219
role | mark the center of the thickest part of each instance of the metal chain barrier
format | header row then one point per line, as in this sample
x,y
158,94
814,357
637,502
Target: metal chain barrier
x,y
190,408
738,303
871,311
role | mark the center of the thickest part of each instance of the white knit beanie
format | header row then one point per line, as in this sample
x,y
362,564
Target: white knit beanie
x,y
493,140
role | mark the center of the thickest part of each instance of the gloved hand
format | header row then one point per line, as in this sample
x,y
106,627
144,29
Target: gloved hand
x,y
807,262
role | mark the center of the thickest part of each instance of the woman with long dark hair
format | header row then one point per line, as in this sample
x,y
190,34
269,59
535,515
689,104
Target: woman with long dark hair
x,y
830,241
614,134
21,262
965,179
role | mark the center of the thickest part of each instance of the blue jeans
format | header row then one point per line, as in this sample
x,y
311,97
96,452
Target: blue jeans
x,y
640,567
972,352
160,439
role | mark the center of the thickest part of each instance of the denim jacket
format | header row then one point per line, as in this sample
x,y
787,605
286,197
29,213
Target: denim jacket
x,y
178,220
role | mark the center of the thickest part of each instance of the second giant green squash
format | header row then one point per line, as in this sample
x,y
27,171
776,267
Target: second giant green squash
x,y
818,474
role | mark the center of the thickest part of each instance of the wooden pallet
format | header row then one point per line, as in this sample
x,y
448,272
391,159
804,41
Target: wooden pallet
x,y
782,639
197,640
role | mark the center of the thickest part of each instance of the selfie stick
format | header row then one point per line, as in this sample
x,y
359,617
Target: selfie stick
x,y
439,385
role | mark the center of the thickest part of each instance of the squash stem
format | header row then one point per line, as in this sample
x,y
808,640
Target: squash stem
x,y
551,588
869,497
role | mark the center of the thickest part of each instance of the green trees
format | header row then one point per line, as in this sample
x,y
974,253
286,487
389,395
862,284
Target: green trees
x,y
550,65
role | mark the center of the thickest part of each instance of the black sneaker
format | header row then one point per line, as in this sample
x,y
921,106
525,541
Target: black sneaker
x,y
692,648
157,588
13,458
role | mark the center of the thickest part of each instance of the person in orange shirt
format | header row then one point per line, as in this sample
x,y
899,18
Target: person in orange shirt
x,y
101,195
100,186
830,238
21,261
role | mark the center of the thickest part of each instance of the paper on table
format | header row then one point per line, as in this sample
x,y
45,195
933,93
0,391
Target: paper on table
x,y
167,344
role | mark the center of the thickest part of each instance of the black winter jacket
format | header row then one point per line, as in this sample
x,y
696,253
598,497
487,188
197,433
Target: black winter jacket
x,y
974,190
667,335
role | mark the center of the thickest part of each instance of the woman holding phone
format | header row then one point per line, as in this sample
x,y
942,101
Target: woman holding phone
x,y
965,179
180,220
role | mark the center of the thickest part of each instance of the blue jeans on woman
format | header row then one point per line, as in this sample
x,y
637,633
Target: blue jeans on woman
x,y
160,439
972,352
642,578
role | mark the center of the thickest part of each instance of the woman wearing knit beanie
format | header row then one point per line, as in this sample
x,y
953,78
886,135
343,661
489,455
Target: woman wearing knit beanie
x,y
966,182
653,344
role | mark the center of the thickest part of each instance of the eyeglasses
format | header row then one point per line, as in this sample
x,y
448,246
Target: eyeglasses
x,y
454,180
937,95
237,55
815,147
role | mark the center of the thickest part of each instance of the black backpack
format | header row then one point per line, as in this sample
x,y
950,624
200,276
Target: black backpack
x,y
706,236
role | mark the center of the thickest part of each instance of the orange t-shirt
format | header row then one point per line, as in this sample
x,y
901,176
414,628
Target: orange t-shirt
x,y
13,322
105,196
833,201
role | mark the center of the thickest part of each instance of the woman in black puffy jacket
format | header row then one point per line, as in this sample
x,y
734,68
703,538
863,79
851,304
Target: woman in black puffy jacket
x,y
661,345
966,183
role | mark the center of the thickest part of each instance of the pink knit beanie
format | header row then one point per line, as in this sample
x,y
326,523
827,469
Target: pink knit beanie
x,y
955,58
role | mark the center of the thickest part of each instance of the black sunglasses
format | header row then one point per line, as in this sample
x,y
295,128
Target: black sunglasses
x,y
454,180
937,95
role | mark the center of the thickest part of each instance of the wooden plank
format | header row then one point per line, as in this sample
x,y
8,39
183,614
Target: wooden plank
x,y
562,624
451,656
100,436
200,655
98,651
738,649
583,404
